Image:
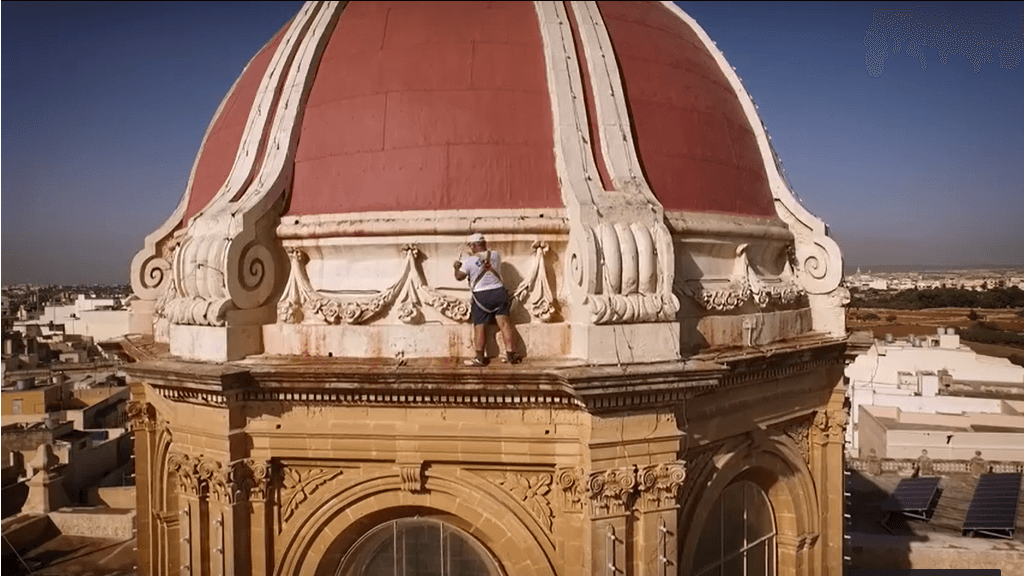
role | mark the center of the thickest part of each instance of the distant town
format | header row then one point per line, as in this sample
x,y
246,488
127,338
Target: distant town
x,y
970,279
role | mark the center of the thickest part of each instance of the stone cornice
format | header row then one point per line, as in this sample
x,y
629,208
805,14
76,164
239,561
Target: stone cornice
x,y
389,382
420,222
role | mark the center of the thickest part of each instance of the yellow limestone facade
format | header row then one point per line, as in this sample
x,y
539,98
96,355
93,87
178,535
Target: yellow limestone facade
x,y
304,408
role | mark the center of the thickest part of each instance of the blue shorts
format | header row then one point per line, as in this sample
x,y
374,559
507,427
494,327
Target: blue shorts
x,y
487,304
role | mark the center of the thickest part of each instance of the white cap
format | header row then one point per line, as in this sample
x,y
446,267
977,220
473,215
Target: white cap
x,y
475,238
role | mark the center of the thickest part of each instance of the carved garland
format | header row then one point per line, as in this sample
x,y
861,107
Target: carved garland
x,y
743,285
534,292
301,302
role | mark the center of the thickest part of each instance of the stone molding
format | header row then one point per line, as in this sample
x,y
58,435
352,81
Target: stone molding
x,y
699,461
437,223
302,303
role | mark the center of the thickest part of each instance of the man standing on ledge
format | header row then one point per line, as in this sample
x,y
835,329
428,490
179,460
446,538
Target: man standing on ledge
x,y
490,300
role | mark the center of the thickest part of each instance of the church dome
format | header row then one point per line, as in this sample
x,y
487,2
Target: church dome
x,y
446,105
606,149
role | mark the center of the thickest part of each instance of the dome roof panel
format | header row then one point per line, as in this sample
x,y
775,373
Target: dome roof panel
x,y
458,82
668,76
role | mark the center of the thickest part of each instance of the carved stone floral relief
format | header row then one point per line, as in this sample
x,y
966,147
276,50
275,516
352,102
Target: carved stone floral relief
x,y
298,484
532,489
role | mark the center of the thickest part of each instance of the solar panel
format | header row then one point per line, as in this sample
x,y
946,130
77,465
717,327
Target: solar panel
x,y
993,510
914,497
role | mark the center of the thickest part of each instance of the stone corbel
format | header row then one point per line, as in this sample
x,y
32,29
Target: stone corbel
x,y
534,292
632,273
412,476
303,303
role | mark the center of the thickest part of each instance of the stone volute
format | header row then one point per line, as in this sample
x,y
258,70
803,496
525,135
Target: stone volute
x,y
639,220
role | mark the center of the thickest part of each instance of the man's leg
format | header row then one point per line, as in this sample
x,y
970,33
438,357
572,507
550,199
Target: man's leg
x,y
479,335
508,332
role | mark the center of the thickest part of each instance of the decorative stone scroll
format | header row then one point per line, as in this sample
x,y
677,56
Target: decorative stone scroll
x,y
530,489
141,415
744,285
203,476
658,485
302,303
227,258
612,491
249,480
299,483
831,425
570,481
534,292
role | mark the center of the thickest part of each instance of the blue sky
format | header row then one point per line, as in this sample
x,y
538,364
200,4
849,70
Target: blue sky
x,y
104,106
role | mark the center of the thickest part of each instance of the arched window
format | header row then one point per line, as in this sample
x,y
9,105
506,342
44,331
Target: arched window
x,y
738,537
418,547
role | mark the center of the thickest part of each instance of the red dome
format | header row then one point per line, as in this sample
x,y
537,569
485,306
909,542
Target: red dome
x,y
447,105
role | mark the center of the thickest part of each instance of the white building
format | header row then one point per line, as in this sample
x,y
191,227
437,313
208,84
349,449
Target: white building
x,y
906,396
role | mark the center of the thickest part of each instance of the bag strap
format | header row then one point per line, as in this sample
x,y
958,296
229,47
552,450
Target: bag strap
x,y
485,267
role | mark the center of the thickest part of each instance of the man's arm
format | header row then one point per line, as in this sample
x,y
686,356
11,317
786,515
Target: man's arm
x,y
460,274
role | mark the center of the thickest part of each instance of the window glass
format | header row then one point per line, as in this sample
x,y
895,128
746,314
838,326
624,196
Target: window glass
x,y
738,536
732,519
759,521
418,547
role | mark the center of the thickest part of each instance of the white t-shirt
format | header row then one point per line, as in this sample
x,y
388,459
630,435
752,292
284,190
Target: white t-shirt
x,y
473,265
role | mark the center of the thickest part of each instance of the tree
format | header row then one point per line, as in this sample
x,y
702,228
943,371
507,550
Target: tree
x,y
890,318
973,315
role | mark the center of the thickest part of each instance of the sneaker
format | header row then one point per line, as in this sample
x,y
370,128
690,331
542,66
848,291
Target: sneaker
x,y
513,358
477,361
